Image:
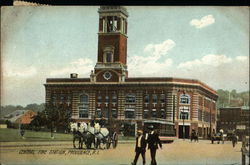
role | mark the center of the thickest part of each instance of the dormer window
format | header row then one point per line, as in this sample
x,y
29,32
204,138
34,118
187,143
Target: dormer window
x,y
108,54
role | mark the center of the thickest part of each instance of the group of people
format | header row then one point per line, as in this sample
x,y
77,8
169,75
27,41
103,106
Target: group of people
x,y
102,122
150,139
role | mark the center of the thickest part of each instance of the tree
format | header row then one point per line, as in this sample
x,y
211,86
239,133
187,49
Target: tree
x,y
58,116
35,107
38,121
52,115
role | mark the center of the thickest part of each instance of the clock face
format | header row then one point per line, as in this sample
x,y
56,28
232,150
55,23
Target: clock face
x,y
107,75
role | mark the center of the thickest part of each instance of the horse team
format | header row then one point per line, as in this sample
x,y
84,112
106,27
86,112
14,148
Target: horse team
x,y
92,135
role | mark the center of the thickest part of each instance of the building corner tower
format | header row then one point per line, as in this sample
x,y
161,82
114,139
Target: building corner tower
x,y
111,63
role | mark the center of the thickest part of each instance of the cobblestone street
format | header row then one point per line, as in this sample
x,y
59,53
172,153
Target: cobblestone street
x,y
178,153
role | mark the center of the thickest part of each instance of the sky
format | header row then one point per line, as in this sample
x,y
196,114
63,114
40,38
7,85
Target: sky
x,y
210,44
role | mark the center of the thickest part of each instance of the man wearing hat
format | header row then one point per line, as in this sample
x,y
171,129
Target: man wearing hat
x,y
153,142
140,147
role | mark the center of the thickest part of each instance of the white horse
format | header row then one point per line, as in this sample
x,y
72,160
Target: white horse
x,y
101,136
79,130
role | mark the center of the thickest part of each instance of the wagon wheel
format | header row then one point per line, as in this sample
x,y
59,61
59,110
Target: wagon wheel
x,y
115,140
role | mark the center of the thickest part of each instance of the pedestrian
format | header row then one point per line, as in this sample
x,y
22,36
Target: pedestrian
x,y
22,131
140,147
234,140
153,143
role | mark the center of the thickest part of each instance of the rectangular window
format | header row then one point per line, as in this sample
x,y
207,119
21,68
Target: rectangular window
x,y
154,113
145,114
162,98
163,114
106,113
129,113
114,98
99,99
83,112
114,113
68,98
53,99
154,98
146,99
98,113
184,115
200,115
106,99
130,99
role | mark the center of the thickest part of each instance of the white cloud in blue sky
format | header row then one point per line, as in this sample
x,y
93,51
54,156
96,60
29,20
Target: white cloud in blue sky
x,y
44,42
203,22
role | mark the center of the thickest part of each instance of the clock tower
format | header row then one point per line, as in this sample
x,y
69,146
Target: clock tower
x,y
111,63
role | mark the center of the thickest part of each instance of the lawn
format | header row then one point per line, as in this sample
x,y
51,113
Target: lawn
x,y
13,135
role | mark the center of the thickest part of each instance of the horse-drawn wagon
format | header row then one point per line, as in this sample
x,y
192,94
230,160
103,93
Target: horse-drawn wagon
x,y
217,137
99,137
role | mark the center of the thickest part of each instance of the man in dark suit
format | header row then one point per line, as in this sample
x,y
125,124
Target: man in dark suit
x,y
102,122
140,147
153,142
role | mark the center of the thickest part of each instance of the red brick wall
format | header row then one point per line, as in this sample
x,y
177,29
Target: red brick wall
x,y
119,41
100,77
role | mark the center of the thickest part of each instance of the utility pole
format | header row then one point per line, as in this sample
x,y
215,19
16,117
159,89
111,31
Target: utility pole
x,y
183,117
210,118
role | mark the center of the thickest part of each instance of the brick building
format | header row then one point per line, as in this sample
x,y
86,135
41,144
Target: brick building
x,y
234,119
109,92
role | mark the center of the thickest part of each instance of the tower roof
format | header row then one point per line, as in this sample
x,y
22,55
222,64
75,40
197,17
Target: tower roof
x,y
110,9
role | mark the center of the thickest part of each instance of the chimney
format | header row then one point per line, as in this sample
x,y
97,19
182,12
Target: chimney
x,y
73,75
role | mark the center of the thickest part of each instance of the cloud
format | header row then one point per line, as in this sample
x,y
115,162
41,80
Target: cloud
x,y
151,64
203,22
10,70
209,60
160,49
218,71
242,58
81,66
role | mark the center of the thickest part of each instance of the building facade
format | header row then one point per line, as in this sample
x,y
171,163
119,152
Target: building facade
x,y
110,93
234,119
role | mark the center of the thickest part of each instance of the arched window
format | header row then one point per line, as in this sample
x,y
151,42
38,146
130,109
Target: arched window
x,y
83,106
108,54
184,99
84,98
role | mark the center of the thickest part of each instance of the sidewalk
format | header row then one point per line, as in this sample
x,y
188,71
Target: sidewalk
x,y
49,143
